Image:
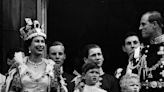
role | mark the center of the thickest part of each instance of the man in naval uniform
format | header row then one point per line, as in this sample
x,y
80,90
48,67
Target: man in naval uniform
x,y
151,25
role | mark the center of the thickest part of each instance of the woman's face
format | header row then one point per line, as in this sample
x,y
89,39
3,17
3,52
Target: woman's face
x,y
133,85
37,45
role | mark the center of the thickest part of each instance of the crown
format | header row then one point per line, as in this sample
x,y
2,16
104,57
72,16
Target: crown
x,y
31,29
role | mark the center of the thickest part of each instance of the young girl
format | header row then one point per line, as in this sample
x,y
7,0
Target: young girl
x,y
130,83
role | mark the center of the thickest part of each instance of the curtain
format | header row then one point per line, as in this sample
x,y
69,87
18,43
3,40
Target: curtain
x,y
13,14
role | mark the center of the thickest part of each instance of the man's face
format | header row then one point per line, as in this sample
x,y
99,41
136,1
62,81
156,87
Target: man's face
x,y
95,54
92,76
131,43
56,53
133,85
146,27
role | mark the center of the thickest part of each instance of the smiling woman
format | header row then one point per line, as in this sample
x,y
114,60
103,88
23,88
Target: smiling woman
x,y
33,73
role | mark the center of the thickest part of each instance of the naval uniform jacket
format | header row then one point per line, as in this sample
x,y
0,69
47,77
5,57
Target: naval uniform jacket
x,y
155,66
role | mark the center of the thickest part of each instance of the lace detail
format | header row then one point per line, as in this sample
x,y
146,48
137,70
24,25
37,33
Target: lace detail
x,y
53,84
16,83
155,66
23,71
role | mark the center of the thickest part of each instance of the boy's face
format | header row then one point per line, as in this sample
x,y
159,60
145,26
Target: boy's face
x,y
56,53
133,85
92,76
96,55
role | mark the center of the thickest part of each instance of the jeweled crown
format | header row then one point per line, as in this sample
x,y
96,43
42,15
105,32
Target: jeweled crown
x,y
31,29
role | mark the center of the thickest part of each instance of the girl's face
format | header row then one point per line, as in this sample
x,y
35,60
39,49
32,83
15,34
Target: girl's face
x,y
37,45
133,85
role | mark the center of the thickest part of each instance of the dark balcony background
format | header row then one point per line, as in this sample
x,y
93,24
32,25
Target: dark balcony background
x,y
77,23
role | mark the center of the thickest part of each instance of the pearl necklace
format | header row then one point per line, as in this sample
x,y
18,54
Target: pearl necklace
x,y
35,64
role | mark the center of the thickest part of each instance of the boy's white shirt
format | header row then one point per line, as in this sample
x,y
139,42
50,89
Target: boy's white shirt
x,y
91,89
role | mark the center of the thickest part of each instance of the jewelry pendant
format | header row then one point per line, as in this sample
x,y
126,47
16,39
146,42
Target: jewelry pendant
x,y
161,66
162,62
150,75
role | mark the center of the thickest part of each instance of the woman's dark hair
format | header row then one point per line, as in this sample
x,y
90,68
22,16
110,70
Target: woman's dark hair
x,y
27,43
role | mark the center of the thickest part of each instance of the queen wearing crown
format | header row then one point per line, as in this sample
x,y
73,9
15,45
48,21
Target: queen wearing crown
x,y
32,73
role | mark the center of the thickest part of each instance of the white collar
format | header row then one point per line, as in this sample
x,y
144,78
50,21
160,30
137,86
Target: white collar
x,y
61,69
90,86
93,88
101,71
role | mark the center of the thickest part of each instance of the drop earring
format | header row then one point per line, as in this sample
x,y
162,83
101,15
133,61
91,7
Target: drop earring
x,y
29,51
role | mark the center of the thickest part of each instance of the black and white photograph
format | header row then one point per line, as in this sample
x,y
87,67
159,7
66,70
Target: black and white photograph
x,y
81,45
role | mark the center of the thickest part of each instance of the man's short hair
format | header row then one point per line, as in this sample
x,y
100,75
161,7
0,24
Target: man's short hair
x,y
87,48
128,34
155,16
55,43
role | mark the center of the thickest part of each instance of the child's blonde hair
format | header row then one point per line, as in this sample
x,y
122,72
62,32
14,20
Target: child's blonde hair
x,y
124,81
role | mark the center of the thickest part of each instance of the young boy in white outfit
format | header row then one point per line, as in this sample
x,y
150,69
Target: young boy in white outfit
x,y
90,79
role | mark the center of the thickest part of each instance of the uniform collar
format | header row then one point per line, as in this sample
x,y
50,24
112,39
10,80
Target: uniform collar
x,y
158,40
